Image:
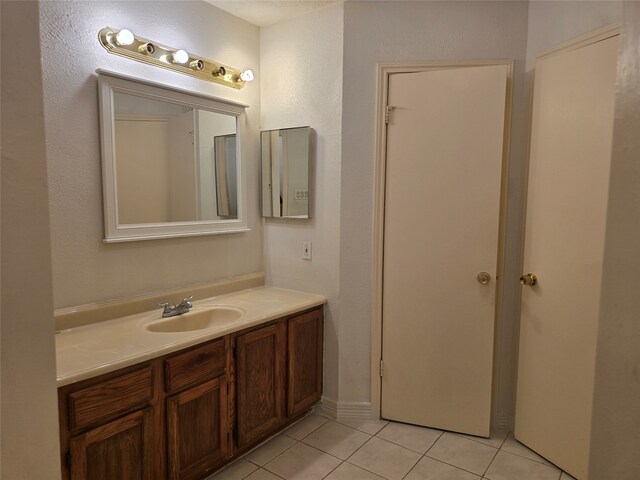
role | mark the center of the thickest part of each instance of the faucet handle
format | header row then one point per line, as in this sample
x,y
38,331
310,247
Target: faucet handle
x,y
186,302
167,307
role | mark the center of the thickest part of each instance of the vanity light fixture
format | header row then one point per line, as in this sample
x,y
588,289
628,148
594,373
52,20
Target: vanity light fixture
x,y
124,37
126,44
247,75
179,56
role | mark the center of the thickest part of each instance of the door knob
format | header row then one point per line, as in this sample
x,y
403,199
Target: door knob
x,y
528,280
483,278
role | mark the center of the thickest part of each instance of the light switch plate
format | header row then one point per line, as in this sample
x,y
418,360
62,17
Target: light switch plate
x,y
306,250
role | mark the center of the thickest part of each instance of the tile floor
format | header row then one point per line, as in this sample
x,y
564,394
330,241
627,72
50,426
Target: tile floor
x,y
317,448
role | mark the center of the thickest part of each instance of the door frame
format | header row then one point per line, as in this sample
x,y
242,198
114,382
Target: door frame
x,y
384,70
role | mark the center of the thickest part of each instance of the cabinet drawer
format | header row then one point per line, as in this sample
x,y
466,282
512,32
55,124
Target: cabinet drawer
x,y
103,400
195,365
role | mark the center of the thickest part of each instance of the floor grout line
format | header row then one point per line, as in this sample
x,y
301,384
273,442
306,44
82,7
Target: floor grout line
x,y
341,461
272,459
533,460
452,465
269,471
492,460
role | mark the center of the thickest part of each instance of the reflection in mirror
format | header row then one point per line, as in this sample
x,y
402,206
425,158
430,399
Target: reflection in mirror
x,y
285,172
171,161
167,160
225,160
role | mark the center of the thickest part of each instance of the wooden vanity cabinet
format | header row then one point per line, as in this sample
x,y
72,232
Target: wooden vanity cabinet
x,y
260,381
197,430
278,374
111,426
118,449
173,417
305,361
197,415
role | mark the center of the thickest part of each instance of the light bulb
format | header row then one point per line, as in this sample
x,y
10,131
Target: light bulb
x,y
246,76
179,56
124,37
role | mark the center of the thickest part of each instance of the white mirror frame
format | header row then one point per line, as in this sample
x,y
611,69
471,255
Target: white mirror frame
x,y
108,82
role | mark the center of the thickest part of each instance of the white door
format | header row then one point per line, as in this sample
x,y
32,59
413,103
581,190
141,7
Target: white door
x,y
571,135
443,175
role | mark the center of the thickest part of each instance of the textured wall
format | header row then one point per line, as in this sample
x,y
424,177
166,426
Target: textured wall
x,y
615,441
301,65
551,23
417,31
85,269
29,439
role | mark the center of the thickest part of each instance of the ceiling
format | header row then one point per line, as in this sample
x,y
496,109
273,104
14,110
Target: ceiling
x,y
267,12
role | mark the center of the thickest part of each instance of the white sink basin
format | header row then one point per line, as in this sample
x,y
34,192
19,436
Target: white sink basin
x,y
196,320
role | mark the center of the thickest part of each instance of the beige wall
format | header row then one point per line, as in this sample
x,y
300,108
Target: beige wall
x,y
84,269
142,176
301,65
398,31
554,22
29,439
615,441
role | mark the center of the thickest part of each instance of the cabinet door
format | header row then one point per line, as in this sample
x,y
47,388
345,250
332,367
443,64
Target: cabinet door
x,y
197,429
305,361
120,449
260,381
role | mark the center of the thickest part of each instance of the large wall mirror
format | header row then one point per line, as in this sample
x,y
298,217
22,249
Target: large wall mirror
x,y
171,161
286,155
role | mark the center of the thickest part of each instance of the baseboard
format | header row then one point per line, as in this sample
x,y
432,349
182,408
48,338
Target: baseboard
x,y
502,421
335,410
346,410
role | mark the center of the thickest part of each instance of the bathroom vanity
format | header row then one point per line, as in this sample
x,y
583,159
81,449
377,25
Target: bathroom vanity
x,y
178,402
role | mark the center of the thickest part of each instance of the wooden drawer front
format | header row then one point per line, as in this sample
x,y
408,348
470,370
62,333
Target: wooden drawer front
x,y
103,400
195,365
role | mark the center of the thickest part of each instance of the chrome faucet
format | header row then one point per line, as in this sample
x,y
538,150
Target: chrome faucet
x,y
171,310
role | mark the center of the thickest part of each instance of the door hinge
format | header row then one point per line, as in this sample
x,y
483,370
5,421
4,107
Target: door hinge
x,y
380,368
235,435
67,460
387,113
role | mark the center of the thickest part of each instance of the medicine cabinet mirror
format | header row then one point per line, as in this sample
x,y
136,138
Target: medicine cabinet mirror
x,y
286,157
171,161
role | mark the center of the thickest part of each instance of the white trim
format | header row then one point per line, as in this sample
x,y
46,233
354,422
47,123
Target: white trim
x,y
329,407
346,411
598,35
114,232
383,72
150,83
502,422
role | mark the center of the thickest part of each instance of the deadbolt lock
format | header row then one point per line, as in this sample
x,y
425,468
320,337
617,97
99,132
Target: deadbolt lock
x,y
483,278
528,280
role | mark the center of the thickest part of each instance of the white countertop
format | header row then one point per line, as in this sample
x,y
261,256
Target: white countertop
x,y
91,350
